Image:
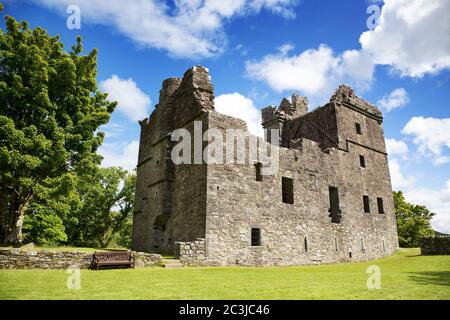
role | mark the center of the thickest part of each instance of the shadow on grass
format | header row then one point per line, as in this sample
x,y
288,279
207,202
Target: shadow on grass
x,y
432,277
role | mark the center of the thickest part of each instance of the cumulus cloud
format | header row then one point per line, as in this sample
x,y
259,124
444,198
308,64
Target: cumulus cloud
x,y
411,37
314,72
432,137
189,28
396,99
398,179
132,102
238,106
396,148
123,155
438,201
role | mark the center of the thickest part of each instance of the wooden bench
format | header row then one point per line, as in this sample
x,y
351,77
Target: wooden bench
x,y
112,259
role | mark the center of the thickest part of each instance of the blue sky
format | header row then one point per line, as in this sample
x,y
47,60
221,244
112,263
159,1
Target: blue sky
x,y
259,51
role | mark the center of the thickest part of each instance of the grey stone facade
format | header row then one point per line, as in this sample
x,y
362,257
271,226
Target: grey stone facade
x,y
332,163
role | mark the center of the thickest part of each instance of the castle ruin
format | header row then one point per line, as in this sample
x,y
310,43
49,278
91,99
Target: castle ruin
x,y
329,201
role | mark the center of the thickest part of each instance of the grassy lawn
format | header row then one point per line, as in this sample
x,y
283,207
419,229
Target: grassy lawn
x,y
405,275
77,249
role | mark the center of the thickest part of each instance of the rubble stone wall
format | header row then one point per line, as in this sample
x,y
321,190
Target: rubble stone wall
x,y
435,245
15,258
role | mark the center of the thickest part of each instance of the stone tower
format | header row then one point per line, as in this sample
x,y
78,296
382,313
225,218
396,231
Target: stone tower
x,y
329,201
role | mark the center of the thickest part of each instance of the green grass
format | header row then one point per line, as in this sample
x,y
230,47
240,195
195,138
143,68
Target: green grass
x,y
68,248
78,249
405,275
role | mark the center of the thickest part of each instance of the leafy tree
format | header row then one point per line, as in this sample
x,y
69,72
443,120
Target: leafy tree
x,y
413,221
107,203
124,219
51,209
50,110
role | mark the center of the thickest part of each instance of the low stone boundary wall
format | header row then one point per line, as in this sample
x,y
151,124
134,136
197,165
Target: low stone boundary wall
x,y
435,245
143,259
192,253
47,259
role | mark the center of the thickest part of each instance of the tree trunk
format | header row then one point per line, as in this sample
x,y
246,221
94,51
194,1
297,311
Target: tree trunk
x,y
12,213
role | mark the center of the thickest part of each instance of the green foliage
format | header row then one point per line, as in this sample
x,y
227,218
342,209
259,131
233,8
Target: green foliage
x,y
50,110
413,221
52,208
44,227
123,236
107,198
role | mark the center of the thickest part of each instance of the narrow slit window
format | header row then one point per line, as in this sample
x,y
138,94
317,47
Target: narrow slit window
x,y
335,212
258,167
366,204
335,244
306,245
358,128
287,186
362,246
380,205
362,161
256,237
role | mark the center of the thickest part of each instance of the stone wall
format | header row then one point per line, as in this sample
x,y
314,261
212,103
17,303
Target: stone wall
x,y
47,259
435,245
143,259
191,253
164,192
19,259
223,203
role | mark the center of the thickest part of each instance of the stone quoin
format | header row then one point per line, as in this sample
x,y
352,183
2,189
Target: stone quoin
x,y
329,201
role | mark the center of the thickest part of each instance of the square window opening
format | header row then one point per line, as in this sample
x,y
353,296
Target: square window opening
x,y
380,205
256,237
362,161
358,128
335,211
366,204
287,186
258,169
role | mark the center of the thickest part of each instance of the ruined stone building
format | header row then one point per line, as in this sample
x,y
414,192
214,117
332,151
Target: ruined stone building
x,y
329,201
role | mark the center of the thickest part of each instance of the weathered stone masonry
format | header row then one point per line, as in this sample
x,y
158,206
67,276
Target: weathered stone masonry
x,y
330,201
16,258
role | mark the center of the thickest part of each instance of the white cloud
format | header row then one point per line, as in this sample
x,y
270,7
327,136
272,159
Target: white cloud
x,y
314,72
238,106
398,179
411,37
432,136
438,201
396,99
132,102
282,7
191,28
123,155
396,147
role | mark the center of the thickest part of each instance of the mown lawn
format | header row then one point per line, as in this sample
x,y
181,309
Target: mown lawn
x,y
405,275
64,248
